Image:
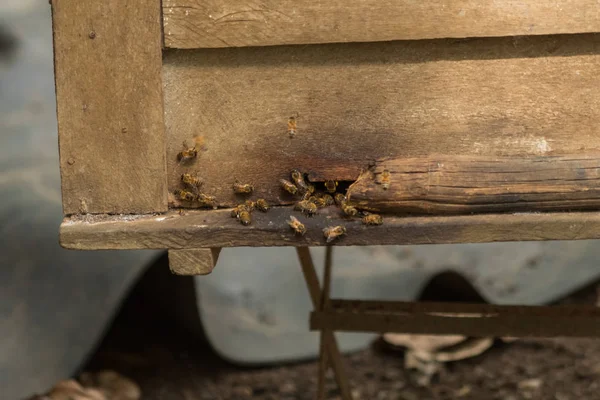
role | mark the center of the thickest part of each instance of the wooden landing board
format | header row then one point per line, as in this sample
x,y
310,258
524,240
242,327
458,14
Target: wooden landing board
x,y
215,228
109,103
474,184
357,103
235,23
476,320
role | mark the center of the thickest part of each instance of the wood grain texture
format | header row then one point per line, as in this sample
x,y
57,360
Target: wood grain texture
x,y
475,184
193,261
357,103
476,320
236,23
205,229
110,105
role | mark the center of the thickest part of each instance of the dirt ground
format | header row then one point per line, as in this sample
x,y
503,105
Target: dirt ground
x,y
172,364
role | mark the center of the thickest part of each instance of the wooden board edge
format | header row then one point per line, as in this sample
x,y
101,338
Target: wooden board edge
x,y
215,228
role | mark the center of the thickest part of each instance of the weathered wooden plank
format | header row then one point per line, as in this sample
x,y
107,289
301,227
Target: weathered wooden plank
x,y
110,106
464,309
472,184
204,229
236,23
357,103
479,320
193,261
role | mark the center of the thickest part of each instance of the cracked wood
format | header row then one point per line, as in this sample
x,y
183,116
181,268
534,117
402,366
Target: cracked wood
x,y
237,23
470,184
360,102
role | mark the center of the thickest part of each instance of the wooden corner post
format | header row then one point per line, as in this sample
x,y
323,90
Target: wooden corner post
x,y
108,66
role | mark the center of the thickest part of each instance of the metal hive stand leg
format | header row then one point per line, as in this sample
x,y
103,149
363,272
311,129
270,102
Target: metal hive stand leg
x,y
329,351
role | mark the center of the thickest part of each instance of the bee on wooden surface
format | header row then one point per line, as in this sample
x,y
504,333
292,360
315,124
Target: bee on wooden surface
x,y
191,181
320,202
190,153
250,204
184,195
296,225
385,179
349,210
333,232
245,218
262,205
327,199
331,186
372,219
292,126
307,207
288,186
339,199
182,212
298,179
205,200
242,188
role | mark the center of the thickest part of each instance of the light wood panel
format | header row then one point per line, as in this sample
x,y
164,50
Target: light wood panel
x,y
358,103
235,23
193,261
110,106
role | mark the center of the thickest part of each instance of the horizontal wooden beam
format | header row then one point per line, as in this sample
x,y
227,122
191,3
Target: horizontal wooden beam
x,y
475,184
215,228
236,23
476,320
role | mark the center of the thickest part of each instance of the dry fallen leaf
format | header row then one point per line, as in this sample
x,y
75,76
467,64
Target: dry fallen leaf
x,y
427,353
113,385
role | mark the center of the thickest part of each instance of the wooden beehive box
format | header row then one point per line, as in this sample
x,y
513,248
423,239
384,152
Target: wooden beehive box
x,y
486,115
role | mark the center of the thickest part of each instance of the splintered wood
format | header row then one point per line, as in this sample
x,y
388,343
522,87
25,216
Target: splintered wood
x,y
469,184
358,103
235,23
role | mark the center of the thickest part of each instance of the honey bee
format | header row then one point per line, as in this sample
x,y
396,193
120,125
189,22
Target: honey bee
x,y
242,188
333,232
298,179
349,210
191,181
247,206
339,199
262,205
205,200
292,126
327,199
184,195
385,179
372,219
331,186
190,153
320,202
296,225
288,186
307,207
245,218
